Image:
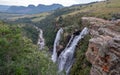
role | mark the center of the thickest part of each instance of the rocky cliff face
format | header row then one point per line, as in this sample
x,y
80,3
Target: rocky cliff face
x,y
104,46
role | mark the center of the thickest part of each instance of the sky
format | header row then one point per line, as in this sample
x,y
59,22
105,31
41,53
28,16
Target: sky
x,y
46,2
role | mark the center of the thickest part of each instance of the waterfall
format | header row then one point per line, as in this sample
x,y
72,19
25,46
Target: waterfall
x,y
56,43
41,41
66,59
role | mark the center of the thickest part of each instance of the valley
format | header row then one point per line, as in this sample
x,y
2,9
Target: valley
x,y
82,39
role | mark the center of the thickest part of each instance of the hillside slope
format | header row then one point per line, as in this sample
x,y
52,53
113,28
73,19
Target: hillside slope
x,y
105,9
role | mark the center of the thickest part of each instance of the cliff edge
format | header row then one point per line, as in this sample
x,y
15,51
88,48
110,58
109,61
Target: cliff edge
x,y
104,46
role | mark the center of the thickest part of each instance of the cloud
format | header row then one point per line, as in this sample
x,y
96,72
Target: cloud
x,y
46,2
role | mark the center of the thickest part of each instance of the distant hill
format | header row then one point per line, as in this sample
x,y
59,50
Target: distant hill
x,y
3,8
31,9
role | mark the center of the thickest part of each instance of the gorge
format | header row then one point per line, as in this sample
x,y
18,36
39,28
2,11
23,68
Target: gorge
x,y
82,39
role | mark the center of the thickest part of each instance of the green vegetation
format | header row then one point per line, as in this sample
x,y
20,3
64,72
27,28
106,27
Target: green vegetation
x,y
30,32
104,9
32,17
71,17
18,56
5,16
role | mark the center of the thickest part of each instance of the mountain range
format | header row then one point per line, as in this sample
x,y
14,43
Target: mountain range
x,y
3,8
30,9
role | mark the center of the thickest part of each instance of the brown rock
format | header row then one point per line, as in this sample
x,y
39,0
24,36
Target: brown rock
x,y
104,48
59,49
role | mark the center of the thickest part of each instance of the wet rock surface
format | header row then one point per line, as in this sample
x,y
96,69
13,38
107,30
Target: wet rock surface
x,y
104,46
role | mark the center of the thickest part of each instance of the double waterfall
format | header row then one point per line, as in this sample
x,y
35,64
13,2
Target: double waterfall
x,y
66,58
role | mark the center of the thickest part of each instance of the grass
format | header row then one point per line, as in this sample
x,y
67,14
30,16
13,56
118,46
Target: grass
x,y
104,9
33,17
8,15
99,9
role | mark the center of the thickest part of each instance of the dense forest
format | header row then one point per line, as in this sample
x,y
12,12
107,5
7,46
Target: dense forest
x,y
19,56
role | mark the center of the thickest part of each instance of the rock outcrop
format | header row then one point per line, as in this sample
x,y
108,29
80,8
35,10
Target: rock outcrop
x,y
104,46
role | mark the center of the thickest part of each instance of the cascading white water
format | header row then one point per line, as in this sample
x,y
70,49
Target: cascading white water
x,y
56,43
41,40
65,59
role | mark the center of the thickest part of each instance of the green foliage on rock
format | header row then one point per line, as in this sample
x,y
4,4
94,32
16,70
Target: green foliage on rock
x,y
18,55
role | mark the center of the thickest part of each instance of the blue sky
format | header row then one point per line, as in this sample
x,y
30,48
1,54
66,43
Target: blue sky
x,y
46,2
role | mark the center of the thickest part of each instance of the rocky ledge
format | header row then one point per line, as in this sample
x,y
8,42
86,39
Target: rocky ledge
x,y
104,46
